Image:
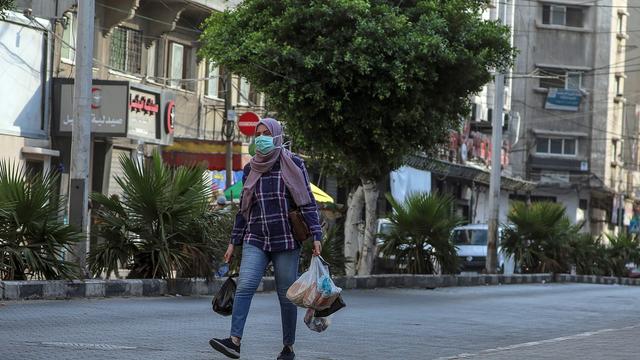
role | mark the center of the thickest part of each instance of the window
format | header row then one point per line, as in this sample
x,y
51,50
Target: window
x,y
176,67
67,49
254,96
151,61
34,167
126,50
214,84
243,93
618,85
179,67
562,15
620,23
614,150
574,80
560,79
556,146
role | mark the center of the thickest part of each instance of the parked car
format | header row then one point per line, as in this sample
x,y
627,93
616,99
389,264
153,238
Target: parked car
x,y
471,242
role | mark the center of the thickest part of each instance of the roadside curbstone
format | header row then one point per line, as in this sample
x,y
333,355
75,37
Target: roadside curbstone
x,y
93,288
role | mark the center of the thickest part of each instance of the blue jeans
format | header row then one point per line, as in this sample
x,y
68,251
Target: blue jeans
x,y
254,262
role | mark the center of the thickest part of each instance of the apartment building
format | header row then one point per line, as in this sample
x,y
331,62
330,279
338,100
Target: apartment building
x,y
569,94
151,91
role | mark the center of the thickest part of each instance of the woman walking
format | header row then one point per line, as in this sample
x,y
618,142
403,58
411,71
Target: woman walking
x,y
275,181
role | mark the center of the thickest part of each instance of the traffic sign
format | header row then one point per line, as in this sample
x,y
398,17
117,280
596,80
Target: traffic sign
x,y
248,122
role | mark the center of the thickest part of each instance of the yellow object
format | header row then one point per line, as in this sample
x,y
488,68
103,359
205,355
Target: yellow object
x,y
320,195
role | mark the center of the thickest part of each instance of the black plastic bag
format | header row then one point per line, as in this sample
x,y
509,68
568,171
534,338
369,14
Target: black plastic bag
x,y
335,306
222,303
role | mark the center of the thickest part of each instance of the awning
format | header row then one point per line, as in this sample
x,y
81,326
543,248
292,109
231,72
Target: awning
x,y
233,193
480,176
211,154
321,196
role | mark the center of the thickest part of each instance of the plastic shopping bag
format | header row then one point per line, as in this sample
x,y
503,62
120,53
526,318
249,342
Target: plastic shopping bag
x,y
317,324
222,303
314,289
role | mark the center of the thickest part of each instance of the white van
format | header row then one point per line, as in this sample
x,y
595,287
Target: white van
x,y
471,242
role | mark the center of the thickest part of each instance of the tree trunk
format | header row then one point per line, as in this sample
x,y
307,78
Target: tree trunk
x,y
368,248
355,205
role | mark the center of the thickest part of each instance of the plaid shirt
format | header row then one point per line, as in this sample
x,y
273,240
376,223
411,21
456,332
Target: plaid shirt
x,y
268,225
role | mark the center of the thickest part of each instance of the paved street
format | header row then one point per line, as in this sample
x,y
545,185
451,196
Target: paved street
x,y
552,321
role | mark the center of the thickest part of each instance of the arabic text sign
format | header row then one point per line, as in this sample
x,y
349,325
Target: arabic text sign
x,y
109,108
144,115
563,99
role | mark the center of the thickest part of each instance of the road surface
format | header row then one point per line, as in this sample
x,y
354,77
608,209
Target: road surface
x,y
545,321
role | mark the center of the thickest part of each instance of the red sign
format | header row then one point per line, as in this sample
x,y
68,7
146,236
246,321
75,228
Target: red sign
x,y
248,122
171,117
143,103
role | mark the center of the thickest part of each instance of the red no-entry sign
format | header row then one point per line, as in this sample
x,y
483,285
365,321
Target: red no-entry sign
x,y
248,122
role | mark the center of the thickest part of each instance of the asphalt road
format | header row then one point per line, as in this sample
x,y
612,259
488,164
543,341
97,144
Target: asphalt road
x,y
552,321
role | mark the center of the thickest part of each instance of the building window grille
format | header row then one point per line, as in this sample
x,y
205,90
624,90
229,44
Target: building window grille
x,y
562,15
556,146
126,50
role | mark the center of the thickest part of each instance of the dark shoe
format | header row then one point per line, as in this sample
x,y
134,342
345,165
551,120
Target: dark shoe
x,y
286,354
227,347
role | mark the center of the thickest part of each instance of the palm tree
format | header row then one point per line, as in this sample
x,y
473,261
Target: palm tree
x,y
622,249
589,255
152,225
540,235
419,239
33,239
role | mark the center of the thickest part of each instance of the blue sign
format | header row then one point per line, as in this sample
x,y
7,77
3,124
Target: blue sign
x,y
563,99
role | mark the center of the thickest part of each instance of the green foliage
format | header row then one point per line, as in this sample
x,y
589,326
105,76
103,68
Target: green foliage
x,y
6,5
33,239
420,234
540,236
332,251
589,255
160,225
623,249
361,83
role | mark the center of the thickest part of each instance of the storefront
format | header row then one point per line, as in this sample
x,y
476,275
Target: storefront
x,y
128,119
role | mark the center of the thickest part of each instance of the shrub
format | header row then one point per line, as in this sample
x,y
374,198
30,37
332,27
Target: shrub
x,y
160,226
419,239
33,239
540,236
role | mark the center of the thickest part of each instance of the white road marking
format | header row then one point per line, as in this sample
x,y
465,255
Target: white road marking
x,y
536,343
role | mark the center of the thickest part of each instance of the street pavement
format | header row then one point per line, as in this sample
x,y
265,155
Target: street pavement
x,y
545,321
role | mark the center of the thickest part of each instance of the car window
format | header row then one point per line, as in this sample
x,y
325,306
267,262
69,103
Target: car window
x,y
469,237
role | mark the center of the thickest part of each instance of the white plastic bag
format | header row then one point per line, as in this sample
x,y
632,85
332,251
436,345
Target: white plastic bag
x,y
317,324
314,289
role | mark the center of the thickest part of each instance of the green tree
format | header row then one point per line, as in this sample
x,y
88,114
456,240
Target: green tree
x,y
6,5
361,83
33,238
540,236
160,224
622,249
419,239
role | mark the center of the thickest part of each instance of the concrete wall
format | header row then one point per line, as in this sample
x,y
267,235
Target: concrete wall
x,y
582,49
482,207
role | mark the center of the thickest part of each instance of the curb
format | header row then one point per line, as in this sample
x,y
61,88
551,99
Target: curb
x,y
63,289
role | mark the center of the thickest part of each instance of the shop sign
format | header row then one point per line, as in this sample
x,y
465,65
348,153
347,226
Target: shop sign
x,y
108,117
170,120
144,113
563,99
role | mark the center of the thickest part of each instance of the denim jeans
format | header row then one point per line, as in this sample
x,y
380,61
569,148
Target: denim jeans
x,y
254,262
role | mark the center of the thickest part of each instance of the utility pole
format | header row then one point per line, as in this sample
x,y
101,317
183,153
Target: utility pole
x,y
496,166
81,130
229,125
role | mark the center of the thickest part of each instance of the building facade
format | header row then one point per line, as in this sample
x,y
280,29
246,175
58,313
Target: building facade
x,y
151,92
569,94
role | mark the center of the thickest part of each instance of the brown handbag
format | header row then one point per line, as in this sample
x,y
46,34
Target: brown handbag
x,y
299,227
